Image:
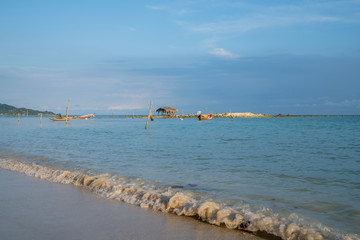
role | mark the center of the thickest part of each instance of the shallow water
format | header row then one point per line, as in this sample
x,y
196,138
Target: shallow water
x,y
298,170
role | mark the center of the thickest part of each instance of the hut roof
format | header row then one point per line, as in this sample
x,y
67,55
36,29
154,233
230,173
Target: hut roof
x,y
167,110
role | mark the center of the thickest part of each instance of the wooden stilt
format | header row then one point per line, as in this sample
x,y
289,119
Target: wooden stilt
x,y
67,111
148,115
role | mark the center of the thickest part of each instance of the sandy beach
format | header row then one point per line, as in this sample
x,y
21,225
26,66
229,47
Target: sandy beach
x,y
35,209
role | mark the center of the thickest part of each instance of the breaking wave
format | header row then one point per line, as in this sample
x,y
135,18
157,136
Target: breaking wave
x,y
177,201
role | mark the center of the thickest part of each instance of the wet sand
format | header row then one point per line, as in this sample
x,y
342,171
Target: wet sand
x,y
35,209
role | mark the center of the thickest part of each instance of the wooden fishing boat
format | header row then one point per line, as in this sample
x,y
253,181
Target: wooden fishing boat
x,y
205,116
61,119
84,116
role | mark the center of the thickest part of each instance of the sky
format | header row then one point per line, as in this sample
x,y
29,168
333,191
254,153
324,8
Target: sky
x,y
259,56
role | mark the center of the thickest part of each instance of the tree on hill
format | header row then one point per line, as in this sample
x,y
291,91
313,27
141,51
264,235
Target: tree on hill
x,y
11,110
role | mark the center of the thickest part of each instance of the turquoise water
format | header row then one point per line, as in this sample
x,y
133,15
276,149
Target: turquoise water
x,y
301,168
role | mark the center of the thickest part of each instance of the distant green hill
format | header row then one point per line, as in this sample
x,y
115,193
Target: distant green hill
x,y
11,110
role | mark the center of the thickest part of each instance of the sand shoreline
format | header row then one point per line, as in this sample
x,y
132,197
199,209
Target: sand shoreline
x,y
37,209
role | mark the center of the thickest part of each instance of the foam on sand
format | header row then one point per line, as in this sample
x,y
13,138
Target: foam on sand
x,y
36,209
180,203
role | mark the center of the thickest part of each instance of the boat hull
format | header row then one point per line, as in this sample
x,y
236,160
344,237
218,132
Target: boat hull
x,y
84,117
60,119
205,117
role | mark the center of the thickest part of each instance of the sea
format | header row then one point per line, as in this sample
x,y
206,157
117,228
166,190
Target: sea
x,y
284,178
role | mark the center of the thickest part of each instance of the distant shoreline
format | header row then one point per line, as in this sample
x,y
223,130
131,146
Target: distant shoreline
x,y
216,115
228,115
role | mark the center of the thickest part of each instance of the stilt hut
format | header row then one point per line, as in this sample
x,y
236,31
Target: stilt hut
x,y
166,111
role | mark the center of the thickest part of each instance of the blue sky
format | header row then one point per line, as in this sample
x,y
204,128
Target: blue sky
x,y
297,57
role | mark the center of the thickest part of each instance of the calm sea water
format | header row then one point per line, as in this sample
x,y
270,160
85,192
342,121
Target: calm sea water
x,y
303,167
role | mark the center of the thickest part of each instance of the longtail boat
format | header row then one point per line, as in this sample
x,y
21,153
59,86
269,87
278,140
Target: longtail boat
x,y
60,118
84,116
205,116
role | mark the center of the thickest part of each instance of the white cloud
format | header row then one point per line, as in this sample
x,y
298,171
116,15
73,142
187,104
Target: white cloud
x,y
273,15
127,107
220,52
112,95
256,22
155,7
345,103
169,9
183,12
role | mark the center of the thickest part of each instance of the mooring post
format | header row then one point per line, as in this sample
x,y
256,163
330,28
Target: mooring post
x,y
148,115
67,111
40,119
18,118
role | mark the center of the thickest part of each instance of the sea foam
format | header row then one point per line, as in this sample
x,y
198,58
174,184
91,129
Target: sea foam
x,y
177,202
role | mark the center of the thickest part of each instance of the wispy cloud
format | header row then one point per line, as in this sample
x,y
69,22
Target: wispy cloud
x,y
153,7
169,9
255,16
215,32
256,22
127,107
183,12
28,72
220,52
345,103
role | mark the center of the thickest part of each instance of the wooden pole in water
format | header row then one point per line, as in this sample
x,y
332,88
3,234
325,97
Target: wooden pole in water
x,y
133,116
67,111
148,115
18,117
113,113
40,118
